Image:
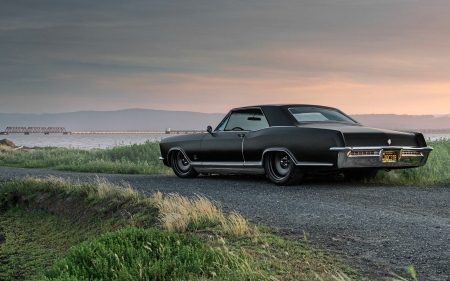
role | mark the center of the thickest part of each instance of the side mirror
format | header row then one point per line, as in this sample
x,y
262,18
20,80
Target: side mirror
x,y
209,129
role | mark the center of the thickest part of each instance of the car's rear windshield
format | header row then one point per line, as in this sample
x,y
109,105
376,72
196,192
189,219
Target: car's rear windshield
x,y
316,114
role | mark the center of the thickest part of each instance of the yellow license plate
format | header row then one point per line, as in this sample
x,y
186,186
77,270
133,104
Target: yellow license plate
x,y
389,156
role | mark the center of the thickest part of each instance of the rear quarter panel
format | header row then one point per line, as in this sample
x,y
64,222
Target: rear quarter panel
x,y
306,144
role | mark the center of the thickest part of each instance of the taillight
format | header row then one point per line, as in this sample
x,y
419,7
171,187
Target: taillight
x,y
411,153
363,153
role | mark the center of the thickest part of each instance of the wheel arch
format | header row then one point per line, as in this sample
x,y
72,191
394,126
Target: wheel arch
x,y
278,149
174,149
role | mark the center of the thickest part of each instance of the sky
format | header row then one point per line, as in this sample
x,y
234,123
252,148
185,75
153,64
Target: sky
x,y
361,56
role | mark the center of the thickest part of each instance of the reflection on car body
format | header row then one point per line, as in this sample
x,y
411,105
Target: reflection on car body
x,y
285,142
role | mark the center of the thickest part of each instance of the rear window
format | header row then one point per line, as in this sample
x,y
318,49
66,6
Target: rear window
x,y
315,114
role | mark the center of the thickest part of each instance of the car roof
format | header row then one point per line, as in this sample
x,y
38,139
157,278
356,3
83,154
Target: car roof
x,y
279,115
283,106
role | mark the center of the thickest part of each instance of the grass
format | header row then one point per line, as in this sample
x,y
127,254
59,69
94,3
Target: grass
x,y
131,159
435,172
180,214
103,231
32,240
148,254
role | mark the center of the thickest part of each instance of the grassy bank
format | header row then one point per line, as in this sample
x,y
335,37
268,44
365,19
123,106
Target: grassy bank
x,y
104,231
435,172
143,159
131,159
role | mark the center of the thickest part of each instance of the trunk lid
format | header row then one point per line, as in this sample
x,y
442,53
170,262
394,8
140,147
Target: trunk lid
x,y
356,135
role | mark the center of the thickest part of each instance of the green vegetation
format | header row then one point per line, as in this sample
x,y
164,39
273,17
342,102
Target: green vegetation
x,y
131,159
435,172
148,254
102,231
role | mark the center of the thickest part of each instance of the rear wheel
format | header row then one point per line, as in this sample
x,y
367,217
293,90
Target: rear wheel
x,y
361,174
181,166
281,170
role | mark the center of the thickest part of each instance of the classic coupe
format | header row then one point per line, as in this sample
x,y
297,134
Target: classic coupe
x,y
285,142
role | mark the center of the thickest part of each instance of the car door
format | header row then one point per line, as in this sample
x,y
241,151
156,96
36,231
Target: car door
x,y
224,145
222,148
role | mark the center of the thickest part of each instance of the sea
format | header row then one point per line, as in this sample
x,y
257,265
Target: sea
x,y
104,141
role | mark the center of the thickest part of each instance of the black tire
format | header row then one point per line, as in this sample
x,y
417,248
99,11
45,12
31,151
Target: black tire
x,y
281,170
361,174
181,166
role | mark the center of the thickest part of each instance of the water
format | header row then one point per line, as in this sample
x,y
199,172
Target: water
x,y
436,136
106,141
81,141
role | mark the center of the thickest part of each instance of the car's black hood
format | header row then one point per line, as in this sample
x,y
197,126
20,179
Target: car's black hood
x,y
357,135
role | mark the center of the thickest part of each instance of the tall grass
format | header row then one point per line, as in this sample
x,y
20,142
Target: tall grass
x,y
435,172
131,159
181,214
99,190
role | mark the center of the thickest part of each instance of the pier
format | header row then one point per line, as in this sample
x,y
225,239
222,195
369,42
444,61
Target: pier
x,y
34,130
62,130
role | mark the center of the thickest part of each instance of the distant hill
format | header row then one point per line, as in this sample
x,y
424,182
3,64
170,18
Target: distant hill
x,y
159,120
427,123
121,120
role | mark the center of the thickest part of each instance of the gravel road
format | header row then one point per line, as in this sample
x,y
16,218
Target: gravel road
x,y
377,229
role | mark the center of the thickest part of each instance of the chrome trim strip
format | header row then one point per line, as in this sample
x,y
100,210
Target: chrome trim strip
x,y
313,164
279,149
242,147
182,151
227,164
251,164
297,163
231,170
380,148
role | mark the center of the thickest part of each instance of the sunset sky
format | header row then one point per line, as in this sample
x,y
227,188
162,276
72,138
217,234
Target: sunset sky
x,y
361,56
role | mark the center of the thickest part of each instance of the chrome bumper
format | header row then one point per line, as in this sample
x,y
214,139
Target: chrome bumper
x,y
359,157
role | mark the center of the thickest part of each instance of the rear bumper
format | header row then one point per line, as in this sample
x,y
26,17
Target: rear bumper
x,y
381,157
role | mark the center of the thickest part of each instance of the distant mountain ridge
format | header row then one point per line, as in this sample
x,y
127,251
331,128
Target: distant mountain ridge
x,y
159,120
405,122
121,120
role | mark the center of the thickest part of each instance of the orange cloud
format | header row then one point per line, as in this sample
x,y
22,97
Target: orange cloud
x,y
194,92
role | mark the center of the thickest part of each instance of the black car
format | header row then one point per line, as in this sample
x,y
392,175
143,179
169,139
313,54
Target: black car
x,y
286,141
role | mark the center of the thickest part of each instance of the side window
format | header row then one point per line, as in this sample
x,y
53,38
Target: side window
x,y
246,120
222,124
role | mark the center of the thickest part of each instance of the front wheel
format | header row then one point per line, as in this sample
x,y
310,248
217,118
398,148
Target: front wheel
x,y
181,166
281,169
